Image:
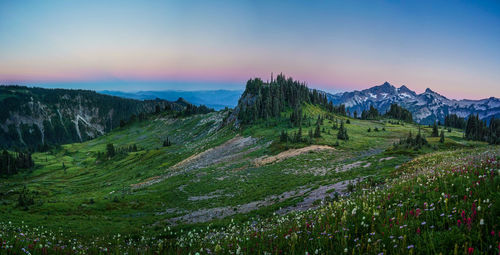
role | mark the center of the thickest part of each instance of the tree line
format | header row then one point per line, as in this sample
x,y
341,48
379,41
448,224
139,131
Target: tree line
x,y
11,163
452,120
478,130
394,112
399,113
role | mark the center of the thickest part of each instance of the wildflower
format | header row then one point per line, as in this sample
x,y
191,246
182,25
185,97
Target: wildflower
x,y
345,250
410,246
423,223
471,250
481,222
218,248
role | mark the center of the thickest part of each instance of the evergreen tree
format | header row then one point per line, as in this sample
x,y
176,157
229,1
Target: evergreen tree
x,y
166,142
441,139
435,131
317,131
342,134
284,136
110,150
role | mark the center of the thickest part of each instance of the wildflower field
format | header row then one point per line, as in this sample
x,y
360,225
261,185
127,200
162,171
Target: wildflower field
x,y
444,202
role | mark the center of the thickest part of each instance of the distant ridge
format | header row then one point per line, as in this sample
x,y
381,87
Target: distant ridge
x,y
216,99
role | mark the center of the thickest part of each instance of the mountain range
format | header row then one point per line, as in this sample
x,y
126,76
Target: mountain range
x,y
426,107
216,99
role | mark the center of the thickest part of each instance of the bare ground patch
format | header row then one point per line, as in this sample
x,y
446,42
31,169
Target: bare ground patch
x,y
235,148
388,158
321,193
289,153
312,195
348,167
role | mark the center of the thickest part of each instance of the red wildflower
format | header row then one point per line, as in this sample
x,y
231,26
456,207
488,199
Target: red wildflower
x,y
471,250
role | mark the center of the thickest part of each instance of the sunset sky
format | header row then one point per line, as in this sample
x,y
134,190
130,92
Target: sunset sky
x,y
452,47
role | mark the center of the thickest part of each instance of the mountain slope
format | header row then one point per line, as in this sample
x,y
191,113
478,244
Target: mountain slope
x,y
426,107
32,117
216,99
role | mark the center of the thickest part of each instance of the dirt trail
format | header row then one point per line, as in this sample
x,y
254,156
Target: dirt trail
x,y
234,148
290,153
388,158
320,194
204,215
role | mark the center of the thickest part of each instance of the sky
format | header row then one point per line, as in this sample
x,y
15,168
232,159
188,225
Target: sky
x,y
452,47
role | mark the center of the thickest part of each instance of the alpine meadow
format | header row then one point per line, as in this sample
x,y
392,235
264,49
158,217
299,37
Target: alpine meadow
x,y
250,127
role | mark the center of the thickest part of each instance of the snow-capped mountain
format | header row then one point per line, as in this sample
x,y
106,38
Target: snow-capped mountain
x,y
426,107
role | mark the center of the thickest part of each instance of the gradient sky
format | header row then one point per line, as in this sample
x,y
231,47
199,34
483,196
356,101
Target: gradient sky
x,y
452,47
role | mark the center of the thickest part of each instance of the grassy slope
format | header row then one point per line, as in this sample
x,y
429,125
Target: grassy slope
x,y
64,198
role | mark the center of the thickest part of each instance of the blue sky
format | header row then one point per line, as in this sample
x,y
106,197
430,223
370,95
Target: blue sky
x,y
452,47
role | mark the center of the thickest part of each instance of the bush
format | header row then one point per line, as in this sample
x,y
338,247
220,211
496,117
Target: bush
x,y
25,199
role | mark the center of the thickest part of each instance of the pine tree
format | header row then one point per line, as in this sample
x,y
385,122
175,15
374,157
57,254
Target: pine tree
x,y
110,149
441,140
284,136
317,131
435,131
342,134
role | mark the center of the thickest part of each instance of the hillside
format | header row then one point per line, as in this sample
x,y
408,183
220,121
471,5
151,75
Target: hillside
x,y
33,117
214,180
426,107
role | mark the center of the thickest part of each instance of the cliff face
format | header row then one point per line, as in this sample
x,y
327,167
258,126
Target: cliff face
x,y
31,117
